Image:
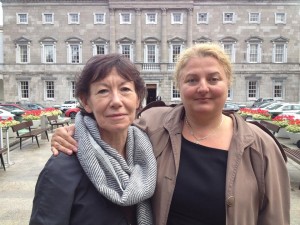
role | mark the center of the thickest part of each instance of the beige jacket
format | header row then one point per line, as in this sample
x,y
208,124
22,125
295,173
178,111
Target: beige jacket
x,y
257,183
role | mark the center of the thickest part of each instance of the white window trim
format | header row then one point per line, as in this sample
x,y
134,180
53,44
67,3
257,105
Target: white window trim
x,y
45,90
171,51
258,53
70,21
233,17
257,90
151,22
284,52
94,46
71,89
202,22
176,22
18,18
283,90
173,85
280,22
232,57
259,18
20,92
43,18
43,59
121,18
18,59
131,50
104,18
146,53
69,55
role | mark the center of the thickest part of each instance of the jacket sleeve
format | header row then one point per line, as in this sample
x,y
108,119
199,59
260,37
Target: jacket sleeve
x,y
54,191
276,204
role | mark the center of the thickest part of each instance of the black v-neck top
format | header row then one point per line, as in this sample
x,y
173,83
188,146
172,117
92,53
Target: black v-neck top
x,y
199,195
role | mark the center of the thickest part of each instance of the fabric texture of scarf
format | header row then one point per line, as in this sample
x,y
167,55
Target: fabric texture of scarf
x,y
124,183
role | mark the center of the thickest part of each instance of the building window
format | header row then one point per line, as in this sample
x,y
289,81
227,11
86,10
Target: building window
x,y
278,90
252,90
22,18
175,52
279,53
48,53
151,53
74,54
202,18
125,18
24,90
254,17
175,92
151,18
99,18
126,51
253,53
73,18
100,49
176,18
23,53
72,90
280,18
49,89
228,17
229,94
229,48
48,18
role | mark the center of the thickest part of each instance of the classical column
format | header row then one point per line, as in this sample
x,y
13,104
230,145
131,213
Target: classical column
x,y
112,31
190,27
138,36
164,44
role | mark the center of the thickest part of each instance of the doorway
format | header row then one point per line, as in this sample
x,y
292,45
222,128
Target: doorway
x,y
151,93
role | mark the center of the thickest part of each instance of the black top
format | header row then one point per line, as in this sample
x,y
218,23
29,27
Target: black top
x,y
199,195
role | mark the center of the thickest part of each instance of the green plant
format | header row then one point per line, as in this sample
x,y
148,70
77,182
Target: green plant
x,y
8,123
293,128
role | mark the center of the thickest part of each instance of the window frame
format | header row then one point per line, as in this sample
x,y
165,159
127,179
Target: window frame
x,y
18,17
46,90
146,53
130,50
70,55
18,53
282,85
173,14
258,18
43,52
284,52
227,21
171,53
148,20
276,14
256,90
95,18
70,18
44,18
175,93
21,90
258,54
122,21
198,18
72,89
233,50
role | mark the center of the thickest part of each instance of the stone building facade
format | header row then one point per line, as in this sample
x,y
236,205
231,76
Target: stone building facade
x,y
46,44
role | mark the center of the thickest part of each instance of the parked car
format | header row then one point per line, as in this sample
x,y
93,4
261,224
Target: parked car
x,y
72,112
34,105
229,106
285,108
16,108
295,115
4,114
260,101
68,105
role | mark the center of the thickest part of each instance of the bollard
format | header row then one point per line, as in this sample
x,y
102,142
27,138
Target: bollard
x,y
44,125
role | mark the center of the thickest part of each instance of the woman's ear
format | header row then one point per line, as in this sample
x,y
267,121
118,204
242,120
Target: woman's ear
x,y
85,104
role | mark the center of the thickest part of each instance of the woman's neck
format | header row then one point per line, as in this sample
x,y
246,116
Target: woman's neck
x,y
116,141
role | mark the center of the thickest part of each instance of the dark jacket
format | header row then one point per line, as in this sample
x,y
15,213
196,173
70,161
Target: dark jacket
x,y
65,195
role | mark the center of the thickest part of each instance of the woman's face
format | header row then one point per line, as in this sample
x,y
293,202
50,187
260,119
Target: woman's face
x,y
113,101
203,85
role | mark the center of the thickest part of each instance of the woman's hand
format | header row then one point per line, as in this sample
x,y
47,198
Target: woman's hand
x,y
62,140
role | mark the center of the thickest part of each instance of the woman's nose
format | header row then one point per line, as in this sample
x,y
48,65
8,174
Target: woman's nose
x,y
202,86
116,99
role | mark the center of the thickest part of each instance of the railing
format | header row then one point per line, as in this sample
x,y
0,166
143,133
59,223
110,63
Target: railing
x,y
151,66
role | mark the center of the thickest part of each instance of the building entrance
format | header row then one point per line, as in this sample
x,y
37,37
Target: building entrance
x,y
151,93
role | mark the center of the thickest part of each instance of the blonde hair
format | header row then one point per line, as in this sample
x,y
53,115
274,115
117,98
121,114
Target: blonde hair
x,y
204,50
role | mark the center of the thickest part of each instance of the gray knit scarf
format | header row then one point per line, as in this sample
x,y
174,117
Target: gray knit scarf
x,y
122,182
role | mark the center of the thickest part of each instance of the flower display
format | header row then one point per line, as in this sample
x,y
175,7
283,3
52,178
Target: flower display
x,y
32,115
52,112
8,122
294,126
257,114
282,120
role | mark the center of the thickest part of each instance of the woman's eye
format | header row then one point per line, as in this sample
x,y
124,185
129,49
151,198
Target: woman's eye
x,y
214,79
191,81
125,89
103,91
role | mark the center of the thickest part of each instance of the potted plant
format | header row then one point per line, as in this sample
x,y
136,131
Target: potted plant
x,y
282,121
6,124
260,114
34,115
293,130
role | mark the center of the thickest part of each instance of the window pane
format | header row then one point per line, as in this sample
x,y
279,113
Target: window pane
x,y
23,18
126,51
279,52
151,17
74,53
24,89
74,18
100,49
48,18
99,18
252,89
176,52
23,53
73,89
228,50
254,17
49,89
253,52
278,90
151,53
177,17
175,92
228,17
49,53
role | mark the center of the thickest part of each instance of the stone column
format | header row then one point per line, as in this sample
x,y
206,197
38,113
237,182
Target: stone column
x,y
164,44
190,28
138,36
112,31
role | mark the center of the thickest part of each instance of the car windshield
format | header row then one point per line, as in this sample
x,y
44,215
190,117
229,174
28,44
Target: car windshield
x,y
26,107
275,106
69,102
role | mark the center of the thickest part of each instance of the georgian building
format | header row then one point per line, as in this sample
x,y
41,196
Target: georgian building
x,y
46,44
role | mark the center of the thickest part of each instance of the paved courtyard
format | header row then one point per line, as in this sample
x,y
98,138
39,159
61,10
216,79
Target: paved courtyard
x,y
18,182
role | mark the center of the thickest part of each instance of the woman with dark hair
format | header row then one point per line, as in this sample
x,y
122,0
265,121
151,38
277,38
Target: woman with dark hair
x,y
111,178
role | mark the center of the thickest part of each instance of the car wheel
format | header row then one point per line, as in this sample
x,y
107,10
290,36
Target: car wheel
x,y
72,115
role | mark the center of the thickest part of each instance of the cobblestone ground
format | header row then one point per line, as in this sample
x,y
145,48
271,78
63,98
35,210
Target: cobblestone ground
x,y
18,182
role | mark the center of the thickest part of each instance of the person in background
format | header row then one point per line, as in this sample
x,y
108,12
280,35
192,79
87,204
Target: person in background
x,y
113,174
212,168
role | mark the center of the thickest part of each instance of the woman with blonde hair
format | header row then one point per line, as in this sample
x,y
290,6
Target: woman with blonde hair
x,y
212,168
